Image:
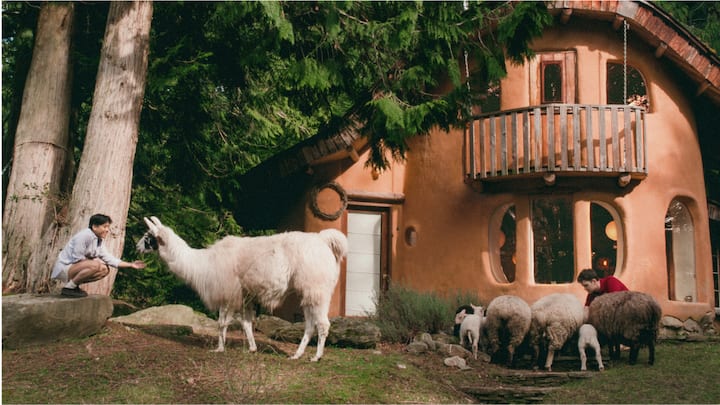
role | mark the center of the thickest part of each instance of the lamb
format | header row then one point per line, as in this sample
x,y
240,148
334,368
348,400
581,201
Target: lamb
x,y
237,272
631,318
460,314
555,318
507,322
471,327
587,337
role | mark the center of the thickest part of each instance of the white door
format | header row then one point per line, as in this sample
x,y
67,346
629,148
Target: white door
x,y
362,282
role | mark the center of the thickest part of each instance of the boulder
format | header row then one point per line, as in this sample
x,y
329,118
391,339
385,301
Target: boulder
x,y
268,324
177,315
43,318
344,332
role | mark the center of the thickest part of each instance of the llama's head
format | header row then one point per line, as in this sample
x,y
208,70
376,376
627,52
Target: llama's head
x,y
151,241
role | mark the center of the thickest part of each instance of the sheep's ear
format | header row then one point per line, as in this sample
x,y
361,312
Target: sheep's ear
x,y
151,226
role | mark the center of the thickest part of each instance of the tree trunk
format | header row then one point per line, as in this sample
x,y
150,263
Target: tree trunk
x,y
40,154
104,178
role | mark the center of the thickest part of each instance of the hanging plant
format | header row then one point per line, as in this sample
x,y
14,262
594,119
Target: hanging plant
x,y
314,201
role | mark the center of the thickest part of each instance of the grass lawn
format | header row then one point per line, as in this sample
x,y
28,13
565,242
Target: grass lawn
x,y
122,365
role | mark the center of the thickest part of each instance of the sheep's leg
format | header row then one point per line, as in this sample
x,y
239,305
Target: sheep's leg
x,y
224,319
598,357
246,322
651,348
549,358
634,351
474,345
583,359
309,330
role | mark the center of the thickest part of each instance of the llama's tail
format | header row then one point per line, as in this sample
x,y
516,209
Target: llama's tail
x,y
337,242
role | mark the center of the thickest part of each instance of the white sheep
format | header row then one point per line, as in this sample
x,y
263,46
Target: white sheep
x,y
470,328
506,324
236,272
555,318
587,337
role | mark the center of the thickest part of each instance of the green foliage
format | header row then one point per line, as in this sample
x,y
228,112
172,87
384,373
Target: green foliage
x,y
402,313
702,18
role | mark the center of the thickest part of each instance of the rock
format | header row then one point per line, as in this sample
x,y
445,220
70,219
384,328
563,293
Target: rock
x,y
456,361
353,332
36,319
268,324
170,315
455,350
417,347
692,326
121,308
344,332
671,322
428,340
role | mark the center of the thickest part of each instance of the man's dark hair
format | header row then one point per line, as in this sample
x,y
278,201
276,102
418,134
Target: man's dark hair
x,y
99,219
587,275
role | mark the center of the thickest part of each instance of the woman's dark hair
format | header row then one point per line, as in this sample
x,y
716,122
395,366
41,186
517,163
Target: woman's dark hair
x,y
587,275
99,219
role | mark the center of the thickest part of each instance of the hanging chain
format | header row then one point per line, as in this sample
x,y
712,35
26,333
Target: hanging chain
x,y
625,31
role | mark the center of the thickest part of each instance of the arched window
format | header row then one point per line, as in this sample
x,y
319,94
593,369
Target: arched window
x,y
503,240
636,88
680,252
606,234
552,224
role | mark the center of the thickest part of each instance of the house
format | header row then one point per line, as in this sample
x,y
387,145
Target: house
x,y
591,155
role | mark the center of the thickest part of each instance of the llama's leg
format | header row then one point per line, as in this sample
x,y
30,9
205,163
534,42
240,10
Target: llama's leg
x,y
309,330
246,322
323,328
224,319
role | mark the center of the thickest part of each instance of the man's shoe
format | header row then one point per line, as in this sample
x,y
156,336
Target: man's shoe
x,y
73,292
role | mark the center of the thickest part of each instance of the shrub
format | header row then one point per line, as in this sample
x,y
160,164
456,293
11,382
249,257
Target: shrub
x,y
402,313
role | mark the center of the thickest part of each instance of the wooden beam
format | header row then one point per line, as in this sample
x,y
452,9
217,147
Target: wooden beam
x,y
352,153
565,16
660,50
617,22
701,89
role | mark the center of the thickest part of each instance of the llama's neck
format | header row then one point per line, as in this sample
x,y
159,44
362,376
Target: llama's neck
x,y
181,259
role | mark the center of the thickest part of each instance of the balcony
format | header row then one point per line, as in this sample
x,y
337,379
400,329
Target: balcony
x,y
557,140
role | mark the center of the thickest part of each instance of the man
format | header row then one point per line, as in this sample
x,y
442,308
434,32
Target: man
x,y
85,259
596,286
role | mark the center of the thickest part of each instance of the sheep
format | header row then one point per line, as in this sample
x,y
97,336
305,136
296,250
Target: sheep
x,y
460,314
471,327
507,322
555,318
631,318
587,337
235,273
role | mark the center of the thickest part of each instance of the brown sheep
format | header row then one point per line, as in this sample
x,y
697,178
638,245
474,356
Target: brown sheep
x,y
630,318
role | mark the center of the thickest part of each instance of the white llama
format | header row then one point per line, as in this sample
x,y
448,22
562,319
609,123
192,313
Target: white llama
x,y
236,272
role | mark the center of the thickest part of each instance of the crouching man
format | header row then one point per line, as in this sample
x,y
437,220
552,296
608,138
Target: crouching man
x,y
84,259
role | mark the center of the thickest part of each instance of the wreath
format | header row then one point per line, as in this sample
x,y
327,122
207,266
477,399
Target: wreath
x,y
314,203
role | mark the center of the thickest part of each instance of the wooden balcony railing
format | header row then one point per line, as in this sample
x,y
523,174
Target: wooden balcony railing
x,y
576,139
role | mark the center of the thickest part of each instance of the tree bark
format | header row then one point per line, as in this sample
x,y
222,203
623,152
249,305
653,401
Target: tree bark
x,y
40,153
104,178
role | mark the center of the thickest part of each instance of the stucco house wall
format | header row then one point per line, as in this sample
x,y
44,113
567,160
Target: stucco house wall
x,y
442,236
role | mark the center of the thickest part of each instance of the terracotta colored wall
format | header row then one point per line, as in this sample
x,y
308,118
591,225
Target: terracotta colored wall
x,y
453,247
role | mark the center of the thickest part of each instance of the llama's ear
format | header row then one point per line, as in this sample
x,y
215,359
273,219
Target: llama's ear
x,y
153,229
156,221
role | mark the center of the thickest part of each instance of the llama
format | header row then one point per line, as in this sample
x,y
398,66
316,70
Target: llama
x,y
236,272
